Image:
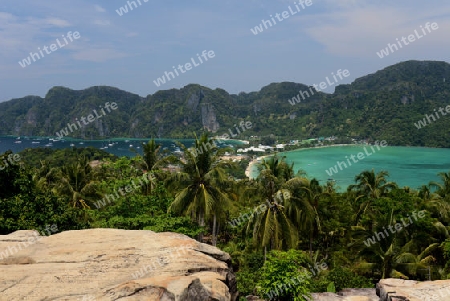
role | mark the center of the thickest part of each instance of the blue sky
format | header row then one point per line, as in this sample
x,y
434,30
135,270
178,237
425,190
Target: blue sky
x,y
133,50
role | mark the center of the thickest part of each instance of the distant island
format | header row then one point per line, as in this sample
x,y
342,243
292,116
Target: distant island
x,y
387,105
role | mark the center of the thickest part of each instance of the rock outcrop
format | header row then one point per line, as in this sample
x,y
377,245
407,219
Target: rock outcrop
x,y
410,290
111,264
348,294
393,290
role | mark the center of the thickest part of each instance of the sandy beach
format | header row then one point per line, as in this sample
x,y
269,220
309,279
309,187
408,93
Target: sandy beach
x,y
255,161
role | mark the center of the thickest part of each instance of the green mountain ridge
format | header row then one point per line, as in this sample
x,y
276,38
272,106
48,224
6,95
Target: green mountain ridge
x,y
379,106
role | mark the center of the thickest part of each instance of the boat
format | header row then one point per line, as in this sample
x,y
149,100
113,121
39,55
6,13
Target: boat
x,y
81,143
35,142
72,144
49,144
18,141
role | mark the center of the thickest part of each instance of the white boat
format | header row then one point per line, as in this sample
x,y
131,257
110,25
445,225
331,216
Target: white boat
x,y
18,141
72,144
35,142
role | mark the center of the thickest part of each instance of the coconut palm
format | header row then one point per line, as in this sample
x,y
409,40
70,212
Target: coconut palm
x,y
201,184
433,202
370,186
152,160
45,176
302,207
443,189
278,166
77,181
410,263
272,228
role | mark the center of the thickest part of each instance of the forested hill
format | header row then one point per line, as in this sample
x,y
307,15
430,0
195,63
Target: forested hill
x,y
384,105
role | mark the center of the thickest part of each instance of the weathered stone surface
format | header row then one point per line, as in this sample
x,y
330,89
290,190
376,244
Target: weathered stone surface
x,y
347,295
410,290
111,264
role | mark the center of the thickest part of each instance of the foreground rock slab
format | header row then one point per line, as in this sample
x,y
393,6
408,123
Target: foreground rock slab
x,y
410,290
112,264
347,294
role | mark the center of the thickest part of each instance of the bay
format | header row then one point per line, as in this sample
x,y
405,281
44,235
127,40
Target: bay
x,y
117,146
407,166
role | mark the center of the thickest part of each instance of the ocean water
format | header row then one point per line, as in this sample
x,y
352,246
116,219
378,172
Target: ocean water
x,y
118,146
407,166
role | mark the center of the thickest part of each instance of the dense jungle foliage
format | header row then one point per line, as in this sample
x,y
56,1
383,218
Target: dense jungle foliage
x,y
279,229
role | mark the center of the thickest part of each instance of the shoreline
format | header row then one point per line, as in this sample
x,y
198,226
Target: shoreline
x,y
253,162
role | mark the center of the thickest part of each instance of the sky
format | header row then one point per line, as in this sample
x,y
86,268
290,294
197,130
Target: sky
x,y
130,51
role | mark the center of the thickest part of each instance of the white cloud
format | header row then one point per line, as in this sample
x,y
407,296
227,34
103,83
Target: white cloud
x,y
57,22
99,8
361,30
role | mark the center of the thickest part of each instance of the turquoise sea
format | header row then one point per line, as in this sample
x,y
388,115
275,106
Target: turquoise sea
x,y
407,166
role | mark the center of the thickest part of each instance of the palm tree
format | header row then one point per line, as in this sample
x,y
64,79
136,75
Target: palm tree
x,y
302,207
272,227
152,157
45,176
433,202
442,189
153,160
279,168
202,182
411,263
370,186
78,182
